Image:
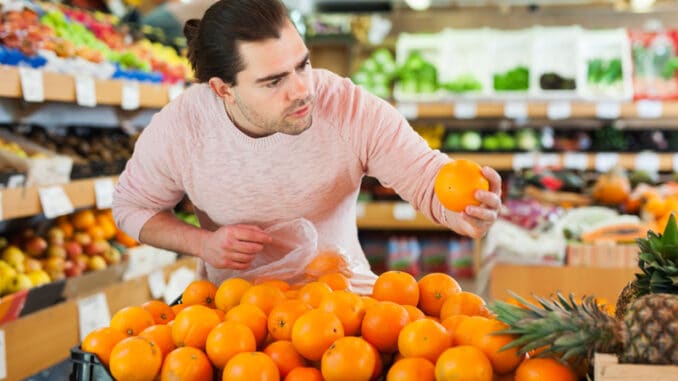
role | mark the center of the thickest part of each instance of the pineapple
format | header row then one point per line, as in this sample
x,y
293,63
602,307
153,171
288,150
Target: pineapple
x,y
658,261
647,334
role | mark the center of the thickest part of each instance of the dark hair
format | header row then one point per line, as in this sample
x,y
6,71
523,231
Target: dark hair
x,y
213,41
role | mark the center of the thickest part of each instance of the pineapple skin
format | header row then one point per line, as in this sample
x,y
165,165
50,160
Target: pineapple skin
x,y
650,330
627,296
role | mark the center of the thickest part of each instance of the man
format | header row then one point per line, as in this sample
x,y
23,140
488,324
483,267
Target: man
x,y
262,139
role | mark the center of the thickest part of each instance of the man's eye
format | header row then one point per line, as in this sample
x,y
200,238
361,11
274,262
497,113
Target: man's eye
x,y
274,83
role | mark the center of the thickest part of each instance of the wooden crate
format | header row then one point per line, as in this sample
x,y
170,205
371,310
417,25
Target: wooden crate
x,y
607,368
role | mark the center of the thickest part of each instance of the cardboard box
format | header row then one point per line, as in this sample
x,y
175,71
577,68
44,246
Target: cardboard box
x,y
607,368
94,280
48,169
604,255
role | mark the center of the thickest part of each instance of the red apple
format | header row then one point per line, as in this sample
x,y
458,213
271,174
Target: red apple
x,y
35,246
72,269
73,249
97,247
82,238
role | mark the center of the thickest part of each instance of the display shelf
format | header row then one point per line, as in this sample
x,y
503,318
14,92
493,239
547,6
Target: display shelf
x,y
506,161
25,201
540,109
61,88
380,215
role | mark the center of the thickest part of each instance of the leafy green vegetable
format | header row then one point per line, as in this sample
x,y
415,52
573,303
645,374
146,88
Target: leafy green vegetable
x,y
515,79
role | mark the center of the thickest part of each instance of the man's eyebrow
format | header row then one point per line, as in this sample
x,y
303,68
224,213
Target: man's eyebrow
x,y
282,75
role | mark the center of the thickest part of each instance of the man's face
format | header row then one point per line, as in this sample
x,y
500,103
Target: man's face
x,y
274,93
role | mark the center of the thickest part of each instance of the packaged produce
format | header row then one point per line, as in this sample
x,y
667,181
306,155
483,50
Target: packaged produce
x,y
464,69
419,58
655,63
554,62
511,57
605,69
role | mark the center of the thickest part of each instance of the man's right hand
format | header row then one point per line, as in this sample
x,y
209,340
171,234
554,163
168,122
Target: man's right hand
x,y
233,246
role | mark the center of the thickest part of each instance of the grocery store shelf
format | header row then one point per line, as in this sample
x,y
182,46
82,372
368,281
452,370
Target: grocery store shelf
x,y
539,109
629,161
25,202
61,88
383,215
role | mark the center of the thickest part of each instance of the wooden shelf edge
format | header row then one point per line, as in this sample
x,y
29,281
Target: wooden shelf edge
x,y
61,88
388,215
25,202
504,161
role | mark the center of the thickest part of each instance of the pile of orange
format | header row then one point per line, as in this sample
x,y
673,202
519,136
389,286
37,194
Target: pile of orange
x,y
97,224
406,330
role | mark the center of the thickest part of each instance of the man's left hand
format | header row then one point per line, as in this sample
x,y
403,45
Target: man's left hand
x,y
475,221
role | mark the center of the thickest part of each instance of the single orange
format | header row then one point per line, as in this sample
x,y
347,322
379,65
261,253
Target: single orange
x,y
348,358
135,358
337,281
264,296
192,325
348,307
312,293
433,290
227,340
161,312
463,303
199,292
314,332
131,320
101,342
282,318
411,369
161,335
304,374
251,366
456,184
285,356
544,369
186,364
230,292
251,316
464,363
396,286
423,338
382,324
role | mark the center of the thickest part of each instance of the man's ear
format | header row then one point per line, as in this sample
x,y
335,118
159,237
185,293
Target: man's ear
x,y
222,89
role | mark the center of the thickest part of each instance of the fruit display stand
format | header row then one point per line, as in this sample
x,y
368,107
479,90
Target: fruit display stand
x,y
44,338
607,368
547,280
62,88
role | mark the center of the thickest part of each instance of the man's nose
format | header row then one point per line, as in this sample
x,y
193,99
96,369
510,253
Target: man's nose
x,y
299,87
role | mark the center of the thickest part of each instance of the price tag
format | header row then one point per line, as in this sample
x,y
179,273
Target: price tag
x,y
523,160
3,355
465,110
130,95
103,191
32,86
54,201
649,109
85,91
360,209
403,211
606,161
175,90
515,110
548,160
156,282
93,313
576,160
675,163
408,110
16,181
647,161
177,283
559,110
608,110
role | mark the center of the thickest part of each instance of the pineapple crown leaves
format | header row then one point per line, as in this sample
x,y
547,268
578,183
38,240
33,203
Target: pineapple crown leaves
x,y
560,326
658,261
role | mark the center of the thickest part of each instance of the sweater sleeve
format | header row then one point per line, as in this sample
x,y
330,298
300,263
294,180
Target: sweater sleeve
x,y
152,179
389,149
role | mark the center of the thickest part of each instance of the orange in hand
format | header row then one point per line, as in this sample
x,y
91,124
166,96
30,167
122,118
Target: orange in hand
x,y
457,182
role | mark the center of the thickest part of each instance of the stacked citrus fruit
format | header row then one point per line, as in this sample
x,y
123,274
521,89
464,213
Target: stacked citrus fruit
x,y
407,329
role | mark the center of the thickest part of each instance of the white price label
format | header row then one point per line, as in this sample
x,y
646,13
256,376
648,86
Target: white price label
x,y
403,211
16,181
606,161
55,202
32,86
177,283
156,282
360,209
85,91
548,160
103,192
465,110
515,110
408,110
93,313
3,355
649,109
559,110
608,110
576,160
523,160
647,161
675,163
130,95
173,91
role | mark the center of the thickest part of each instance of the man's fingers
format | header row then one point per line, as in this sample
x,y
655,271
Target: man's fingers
x,y
251,233
493,178
245,247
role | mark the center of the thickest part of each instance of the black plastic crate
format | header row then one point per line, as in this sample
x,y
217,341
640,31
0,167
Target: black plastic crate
x,y
87,367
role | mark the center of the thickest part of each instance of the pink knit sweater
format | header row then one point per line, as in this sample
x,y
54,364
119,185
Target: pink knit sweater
x,y
191,147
